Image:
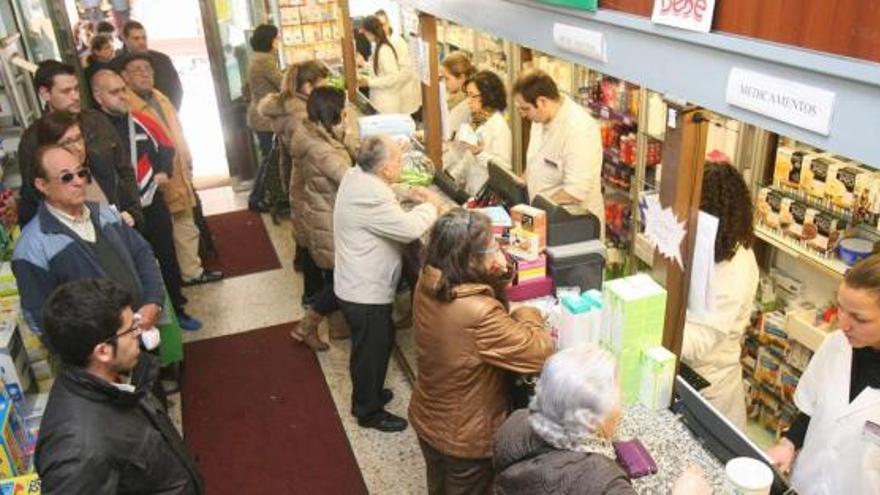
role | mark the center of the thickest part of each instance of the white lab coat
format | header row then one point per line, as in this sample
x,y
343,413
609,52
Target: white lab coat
x,y
837,457
411,88
566,154
388,80
711,344
460,114
497,142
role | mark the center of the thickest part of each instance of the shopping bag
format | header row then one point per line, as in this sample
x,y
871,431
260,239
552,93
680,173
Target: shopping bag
x,y
171,347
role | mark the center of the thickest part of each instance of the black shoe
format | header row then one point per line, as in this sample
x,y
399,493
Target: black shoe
x,y
205,278
384,421
386,395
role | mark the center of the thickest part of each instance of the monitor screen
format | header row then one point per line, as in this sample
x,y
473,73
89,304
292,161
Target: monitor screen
x,y
509,188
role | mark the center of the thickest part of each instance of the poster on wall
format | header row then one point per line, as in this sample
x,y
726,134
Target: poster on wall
x,y
693,15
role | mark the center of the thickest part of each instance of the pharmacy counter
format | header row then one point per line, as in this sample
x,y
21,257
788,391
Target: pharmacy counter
x,y
673,447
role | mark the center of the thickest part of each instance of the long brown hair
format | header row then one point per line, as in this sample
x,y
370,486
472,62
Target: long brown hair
x,y
457,248
726,196
865,275
374,26
296,76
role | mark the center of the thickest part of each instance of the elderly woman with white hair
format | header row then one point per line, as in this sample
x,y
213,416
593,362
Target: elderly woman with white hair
x,y
562,443
369,232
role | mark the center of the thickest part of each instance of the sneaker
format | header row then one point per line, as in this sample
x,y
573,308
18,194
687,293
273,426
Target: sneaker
x,y
384,421
205,278
188,323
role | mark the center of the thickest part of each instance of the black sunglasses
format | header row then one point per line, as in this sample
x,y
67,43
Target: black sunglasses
x,y
67,177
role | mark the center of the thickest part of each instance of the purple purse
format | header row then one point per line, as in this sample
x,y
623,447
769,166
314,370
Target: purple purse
x,y
634,458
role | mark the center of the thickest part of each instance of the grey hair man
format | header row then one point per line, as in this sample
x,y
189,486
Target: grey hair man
x,y
369,231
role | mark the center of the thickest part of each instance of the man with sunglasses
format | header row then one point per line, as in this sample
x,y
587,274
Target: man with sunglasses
x,y
70,239
103,431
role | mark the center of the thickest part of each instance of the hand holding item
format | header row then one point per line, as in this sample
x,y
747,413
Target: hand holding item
x,y
160,179
419,194
782,454
691,482
149,315
127,218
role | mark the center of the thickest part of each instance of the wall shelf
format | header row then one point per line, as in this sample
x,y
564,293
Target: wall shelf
x,y
830,266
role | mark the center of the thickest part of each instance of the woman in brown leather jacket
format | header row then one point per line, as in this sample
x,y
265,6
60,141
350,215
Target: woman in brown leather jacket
x,y
467,342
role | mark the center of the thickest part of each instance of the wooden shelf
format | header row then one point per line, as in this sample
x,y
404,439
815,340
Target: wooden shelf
x,y
830,266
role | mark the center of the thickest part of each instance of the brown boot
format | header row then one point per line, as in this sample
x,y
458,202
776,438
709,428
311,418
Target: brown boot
x,y
338,326
307,331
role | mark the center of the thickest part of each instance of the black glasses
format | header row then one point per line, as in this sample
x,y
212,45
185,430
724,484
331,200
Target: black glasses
x,y
135,327
67,177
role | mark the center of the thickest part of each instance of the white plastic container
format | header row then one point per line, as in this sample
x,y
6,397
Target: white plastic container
x,y
747,476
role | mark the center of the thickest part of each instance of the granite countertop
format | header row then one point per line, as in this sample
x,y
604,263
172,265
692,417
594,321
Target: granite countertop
x,y
673,447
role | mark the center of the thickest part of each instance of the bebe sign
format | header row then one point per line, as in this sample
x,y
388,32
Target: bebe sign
x,y
695,15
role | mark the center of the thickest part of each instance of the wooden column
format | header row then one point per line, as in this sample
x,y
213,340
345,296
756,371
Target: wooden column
x,y
684,152
349,65
431,92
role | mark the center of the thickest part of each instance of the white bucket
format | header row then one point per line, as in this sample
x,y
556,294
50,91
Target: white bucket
x,y
747,476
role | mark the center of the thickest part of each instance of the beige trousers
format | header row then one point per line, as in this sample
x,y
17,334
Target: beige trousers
x,y
186,242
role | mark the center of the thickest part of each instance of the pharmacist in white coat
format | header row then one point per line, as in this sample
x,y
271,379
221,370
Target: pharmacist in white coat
x,y
487,100
411,89
712,335
833,445
390,73
564,157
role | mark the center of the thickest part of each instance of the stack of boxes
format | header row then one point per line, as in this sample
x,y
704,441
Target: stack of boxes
x,y
527,240
16,445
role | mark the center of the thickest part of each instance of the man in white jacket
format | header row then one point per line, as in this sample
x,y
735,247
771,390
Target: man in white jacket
x,y
369,232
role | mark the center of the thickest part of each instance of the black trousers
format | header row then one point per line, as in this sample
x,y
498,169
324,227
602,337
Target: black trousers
x,y
313,276
372,338
159,233
325,301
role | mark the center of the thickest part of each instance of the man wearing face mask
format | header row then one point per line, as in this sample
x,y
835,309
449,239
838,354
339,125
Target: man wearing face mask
x,y
71,238
103,431
137,71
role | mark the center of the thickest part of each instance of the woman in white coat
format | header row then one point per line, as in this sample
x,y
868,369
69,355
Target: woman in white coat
x,y
487,100
711,343
456,70
390,72
833,445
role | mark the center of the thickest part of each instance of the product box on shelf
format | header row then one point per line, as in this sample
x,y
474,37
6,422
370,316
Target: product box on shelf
x,y
531,219
658,377
530,269
841,187
14,365
15,444
28,484
524,244
822,231
815,172
867,198
789,164
530,289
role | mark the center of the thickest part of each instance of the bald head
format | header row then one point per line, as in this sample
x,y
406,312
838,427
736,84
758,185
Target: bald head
x,y
110,93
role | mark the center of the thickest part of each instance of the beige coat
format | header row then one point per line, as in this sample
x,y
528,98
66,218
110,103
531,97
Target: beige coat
x,y
465,347
286,116
178,192
263,78
323,161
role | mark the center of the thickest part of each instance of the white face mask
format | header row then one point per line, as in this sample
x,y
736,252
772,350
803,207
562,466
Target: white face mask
x,y
151,338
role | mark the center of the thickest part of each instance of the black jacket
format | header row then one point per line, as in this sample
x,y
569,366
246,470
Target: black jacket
x,y
107,157
165,76
96,439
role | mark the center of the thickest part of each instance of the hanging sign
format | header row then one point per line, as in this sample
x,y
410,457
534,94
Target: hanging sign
x,y
797,104
694,15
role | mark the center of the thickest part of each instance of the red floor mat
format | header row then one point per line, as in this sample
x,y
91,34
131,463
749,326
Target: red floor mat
x,y
242,243
260,419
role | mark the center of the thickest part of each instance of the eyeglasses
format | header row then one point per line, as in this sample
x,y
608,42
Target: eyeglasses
x,y
67,177
135,327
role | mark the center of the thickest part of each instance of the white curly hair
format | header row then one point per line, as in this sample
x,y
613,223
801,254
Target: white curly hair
x,y
577,391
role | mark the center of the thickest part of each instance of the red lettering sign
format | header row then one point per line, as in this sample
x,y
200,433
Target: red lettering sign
x,y
688,9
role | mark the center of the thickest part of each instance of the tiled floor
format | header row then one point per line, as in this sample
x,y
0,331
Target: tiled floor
x,y
390,463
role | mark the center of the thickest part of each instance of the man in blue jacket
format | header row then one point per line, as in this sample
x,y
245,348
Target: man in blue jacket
x,y
71,239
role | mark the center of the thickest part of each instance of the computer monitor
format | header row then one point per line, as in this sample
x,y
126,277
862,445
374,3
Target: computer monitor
x,y
509,188
717,434
447,184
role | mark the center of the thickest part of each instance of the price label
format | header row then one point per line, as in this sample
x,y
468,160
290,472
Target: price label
x,y
605,113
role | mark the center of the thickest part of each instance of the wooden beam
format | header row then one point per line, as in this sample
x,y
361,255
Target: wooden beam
x,y
681,187
431,92
348,59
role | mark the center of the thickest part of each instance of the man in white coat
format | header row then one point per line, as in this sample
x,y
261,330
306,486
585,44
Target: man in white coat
x,y
564,157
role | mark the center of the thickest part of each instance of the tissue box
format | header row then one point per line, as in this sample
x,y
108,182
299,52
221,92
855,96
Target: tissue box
x,y
531,289
28,484
531,219
658,377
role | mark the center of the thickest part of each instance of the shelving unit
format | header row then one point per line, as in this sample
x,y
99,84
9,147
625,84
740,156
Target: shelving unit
x,y
311,29
828,266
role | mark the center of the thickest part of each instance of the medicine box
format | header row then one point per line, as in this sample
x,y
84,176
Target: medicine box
x,y
28,484
658,377
14,441
531,219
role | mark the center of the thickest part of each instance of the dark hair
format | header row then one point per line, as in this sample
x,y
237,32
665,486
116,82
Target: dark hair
x,y
325,106
263,37
536,83
491,87
81,314
455,247
52,126
865,275
373,25
132,26
40,158
44,77
310,71
105,27
99,41
726,196
459,64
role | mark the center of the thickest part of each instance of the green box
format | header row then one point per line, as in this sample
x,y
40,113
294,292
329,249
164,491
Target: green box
x,y
590,5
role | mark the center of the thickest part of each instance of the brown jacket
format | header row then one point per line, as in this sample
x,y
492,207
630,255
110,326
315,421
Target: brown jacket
x,y
178,192
287,115
263,77
323,161
464,349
